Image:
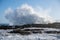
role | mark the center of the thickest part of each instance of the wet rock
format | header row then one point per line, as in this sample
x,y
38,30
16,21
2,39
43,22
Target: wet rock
x,y
26,31
52,32
22,32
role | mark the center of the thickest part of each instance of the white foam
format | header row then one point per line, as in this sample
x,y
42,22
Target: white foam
x,y
43,36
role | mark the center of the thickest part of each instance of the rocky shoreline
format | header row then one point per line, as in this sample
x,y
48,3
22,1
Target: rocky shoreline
x,y
32,28
28,31
51,25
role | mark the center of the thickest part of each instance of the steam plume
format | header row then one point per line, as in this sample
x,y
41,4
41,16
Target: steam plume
x,y
26,14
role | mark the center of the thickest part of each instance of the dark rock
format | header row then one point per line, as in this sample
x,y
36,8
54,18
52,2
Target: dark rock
x,y
22,32
26,31
52,32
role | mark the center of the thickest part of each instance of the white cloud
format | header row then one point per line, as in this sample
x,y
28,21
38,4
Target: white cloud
x,y
45,13
10,10
26,14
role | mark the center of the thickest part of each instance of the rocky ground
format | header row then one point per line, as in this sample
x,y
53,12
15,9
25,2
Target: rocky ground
x,y
26,31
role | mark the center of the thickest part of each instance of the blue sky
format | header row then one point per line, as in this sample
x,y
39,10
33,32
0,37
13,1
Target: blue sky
x,y
45,4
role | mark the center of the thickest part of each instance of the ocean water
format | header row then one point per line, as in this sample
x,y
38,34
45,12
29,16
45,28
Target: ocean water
x,y
12,36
